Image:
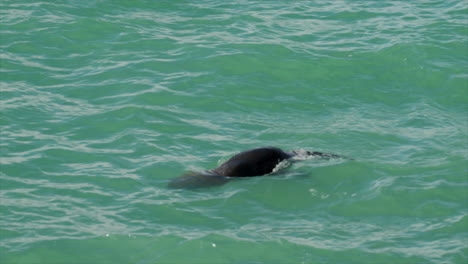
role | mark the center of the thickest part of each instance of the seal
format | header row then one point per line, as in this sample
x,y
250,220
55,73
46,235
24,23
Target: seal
x,y
249,163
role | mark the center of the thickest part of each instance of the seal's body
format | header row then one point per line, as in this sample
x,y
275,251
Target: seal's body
x,y
254,162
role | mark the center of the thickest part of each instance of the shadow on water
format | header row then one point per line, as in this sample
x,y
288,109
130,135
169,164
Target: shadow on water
x,y
194,180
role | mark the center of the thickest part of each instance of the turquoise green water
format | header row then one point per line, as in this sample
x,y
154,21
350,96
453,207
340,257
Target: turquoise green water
x,y
103,102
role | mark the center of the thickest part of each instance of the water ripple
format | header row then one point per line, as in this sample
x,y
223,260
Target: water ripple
x,y
103,102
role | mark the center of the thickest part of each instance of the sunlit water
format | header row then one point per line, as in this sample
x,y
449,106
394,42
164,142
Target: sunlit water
x,y
103,102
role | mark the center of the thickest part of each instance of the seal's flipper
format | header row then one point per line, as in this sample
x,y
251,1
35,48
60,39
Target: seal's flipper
x,y
304,155
326,155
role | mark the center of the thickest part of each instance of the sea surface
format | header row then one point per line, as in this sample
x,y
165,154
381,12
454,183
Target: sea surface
x,y
104,102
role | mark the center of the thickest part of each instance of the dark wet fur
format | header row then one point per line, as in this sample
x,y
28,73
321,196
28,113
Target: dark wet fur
x,y
254,162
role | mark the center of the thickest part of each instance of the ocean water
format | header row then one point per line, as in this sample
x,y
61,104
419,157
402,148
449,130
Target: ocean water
x,y
104,102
